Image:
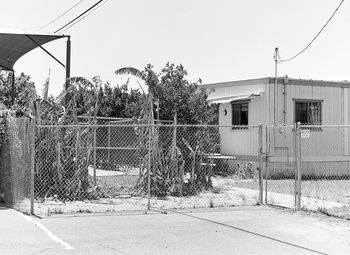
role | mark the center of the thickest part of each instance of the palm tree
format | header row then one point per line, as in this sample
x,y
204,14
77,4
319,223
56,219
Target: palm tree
x,y
130,70
134,72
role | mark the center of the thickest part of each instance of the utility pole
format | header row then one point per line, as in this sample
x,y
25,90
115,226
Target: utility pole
x,y
275,57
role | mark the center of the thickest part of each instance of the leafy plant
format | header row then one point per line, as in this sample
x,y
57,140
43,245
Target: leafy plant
x,y
63,153
174,153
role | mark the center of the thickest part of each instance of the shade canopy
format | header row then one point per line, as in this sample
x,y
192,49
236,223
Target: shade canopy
x,y
15,44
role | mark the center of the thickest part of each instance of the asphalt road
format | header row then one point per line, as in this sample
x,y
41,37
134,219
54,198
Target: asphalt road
x,y
241,230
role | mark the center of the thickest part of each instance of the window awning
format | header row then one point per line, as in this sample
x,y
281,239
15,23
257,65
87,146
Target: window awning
x,y
14,44
228,99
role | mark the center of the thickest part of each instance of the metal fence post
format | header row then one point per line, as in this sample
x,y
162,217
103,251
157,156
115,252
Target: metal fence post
x,y
149,168
59,165
32,170
95,149
267,162
260,163
109,146
295,166
298,166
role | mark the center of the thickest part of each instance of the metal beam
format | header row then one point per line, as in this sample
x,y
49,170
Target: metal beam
x,y
41,47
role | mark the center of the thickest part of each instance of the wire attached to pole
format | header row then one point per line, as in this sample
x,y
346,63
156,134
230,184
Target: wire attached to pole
x,y
70,22
307,46
83,17
61,15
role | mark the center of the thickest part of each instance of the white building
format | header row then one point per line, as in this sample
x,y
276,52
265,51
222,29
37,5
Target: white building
x,y
285,102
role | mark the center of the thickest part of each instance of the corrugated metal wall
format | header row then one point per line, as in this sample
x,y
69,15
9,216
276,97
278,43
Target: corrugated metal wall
x,y
332,113
241,141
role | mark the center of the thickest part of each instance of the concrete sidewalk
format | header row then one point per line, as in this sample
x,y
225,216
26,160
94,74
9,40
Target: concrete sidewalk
x,y
240,230
19,236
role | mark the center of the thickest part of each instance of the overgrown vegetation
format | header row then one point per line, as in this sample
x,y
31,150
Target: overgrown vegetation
x,y
176,153
63,155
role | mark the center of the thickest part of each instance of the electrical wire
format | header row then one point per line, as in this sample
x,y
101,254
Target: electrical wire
x,y
80,15
83,17
307,46
61,15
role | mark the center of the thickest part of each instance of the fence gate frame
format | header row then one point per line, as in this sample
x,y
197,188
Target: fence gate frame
x,y
296,137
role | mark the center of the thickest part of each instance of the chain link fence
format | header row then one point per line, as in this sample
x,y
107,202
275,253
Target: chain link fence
x,y
199,171
325,172
114,165
308,168
16,154
117,166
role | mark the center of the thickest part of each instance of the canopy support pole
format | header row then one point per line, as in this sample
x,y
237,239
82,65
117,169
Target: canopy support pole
x,y
68,52
13,88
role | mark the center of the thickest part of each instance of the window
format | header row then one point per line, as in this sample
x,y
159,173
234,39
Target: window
x,y
240,113
308,112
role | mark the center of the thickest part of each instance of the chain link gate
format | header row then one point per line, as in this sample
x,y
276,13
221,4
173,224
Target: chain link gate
x,y
281,180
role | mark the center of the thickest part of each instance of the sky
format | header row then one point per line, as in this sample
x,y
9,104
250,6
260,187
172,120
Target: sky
x,y
222,40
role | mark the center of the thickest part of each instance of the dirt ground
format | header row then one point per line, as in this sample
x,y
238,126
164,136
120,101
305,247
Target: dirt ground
x,y
327,196
224,194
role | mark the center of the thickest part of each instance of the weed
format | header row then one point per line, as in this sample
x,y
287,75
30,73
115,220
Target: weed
x,y
84,211
54,210
271,201
324,211
216,190
256,198
211,203
242,196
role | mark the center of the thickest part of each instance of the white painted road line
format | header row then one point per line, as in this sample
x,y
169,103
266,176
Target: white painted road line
x,y
55,238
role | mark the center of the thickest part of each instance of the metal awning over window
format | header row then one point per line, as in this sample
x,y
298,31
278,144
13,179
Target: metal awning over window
x,y
228,99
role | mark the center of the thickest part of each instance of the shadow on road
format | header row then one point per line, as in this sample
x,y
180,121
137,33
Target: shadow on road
x,y
247,231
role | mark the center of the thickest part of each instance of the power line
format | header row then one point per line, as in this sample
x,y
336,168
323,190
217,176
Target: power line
x,y
70,22
61,15
106,1
307,46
